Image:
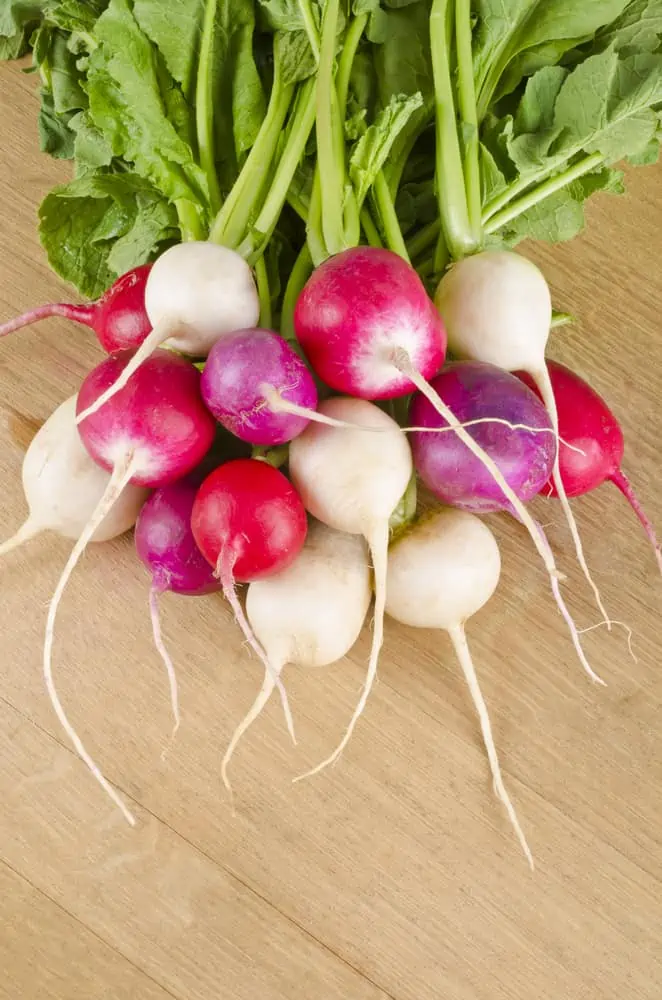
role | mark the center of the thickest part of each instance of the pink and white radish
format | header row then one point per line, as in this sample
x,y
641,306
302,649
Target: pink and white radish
x,y
63,485
155,431
353,481
497,308
166,547
118,318
310,614
440,573
249,523
586,422
195,293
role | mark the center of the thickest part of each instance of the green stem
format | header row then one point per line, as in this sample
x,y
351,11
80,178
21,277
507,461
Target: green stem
x,y
451,192
424,239
346,62
468,114
231,223
310,27
314,234
190,224
330,137
204,105
299,275
370,229
561,319
394,238
264,293
542,191
523,183
302,125
298,204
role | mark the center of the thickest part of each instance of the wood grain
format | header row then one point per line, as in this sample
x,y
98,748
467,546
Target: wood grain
x,y
395,873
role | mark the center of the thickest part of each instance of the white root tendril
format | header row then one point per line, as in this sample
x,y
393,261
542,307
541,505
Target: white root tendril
x,y
121,476
614,621
460,644
225,574
27,531
378,544
543,382
155,617
152,341
256,709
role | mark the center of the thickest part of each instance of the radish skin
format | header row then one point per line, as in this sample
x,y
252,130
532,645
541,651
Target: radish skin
x,y
310,614
353,481
196,293
440,573
497,308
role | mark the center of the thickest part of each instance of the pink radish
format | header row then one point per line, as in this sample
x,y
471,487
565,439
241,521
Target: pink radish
x,y
310,614
497,308
63,485
586,422
118,318
165,545
248,521
353,481
154,432
196,292
440,573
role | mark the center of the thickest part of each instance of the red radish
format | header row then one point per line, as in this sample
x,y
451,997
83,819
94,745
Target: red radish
x,y
118,318
196,292
497,308
249,522
352,481
586,422
154,432
166,546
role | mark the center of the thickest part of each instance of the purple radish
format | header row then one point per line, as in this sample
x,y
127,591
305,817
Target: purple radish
x,y
167,548
118,318
154,432
522,446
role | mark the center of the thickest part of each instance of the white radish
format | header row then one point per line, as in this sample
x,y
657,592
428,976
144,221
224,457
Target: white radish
x,y
497,308
440,573
308,615
63,485
353,482
196,293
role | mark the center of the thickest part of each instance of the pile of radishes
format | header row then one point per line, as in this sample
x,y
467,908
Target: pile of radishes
x,y
486,432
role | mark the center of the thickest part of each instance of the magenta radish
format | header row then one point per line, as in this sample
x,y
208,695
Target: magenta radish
x,y
118,318
440,573
155,431
308,615
353,481
521,446
196,292
248,521
497,308
258,387
167,548
586,422
63,485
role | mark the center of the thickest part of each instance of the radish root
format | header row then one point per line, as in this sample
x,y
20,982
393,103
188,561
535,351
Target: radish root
x,y
268,684
154,594
225,573
27,531
543,381
79,314
460,644
121,476
378,543
622,483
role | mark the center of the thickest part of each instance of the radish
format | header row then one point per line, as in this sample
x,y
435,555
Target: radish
x,y
195,293
353,481
440,573
258,388
248,521
154,432
586,421
118,318
165,545
474,391
309,614
63,485
497,308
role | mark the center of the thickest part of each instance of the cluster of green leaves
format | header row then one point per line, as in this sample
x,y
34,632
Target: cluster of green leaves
x,y
290,128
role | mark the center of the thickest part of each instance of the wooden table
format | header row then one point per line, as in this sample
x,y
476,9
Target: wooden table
x,y
395,874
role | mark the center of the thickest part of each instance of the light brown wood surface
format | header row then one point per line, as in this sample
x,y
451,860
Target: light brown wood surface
x,y
394,874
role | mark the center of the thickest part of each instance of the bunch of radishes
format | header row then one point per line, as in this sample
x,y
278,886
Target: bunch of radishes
x,y
479,437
